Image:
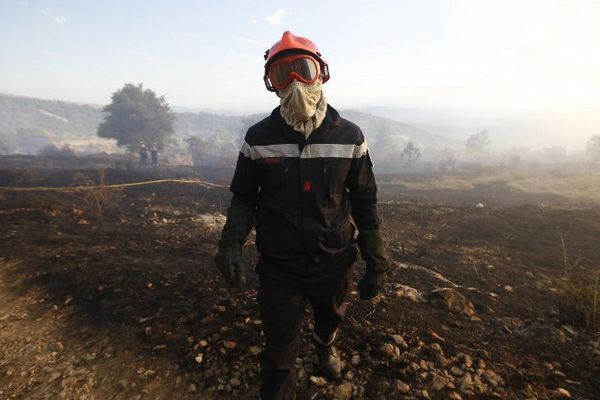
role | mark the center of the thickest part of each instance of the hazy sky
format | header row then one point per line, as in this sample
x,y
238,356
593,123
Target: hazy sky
x,y
492,55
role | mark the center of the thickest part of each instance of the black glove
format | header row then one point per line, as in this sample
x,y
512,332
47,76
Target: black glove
x,y
373,253
370,285
229,259
230,262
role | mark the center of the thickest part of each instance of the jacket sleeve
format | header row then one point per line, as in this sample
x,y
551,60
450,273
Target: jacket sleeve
x,y
246,181
363,190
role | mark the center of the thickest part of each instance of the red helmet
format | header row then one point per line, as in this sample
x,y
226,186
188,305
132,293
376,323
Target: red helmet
x,y
288,45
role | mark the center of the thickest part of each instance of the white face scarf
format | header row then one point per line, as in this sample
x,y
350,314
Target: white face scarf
x,y
303,106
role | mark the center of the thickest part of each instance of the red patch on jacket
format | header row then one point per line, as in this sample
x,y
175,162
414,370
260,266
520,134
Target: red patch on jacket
x,y
307,186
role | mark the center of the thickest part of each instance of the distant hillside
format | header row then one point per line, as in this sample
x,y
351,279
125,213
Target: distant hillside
x,y
28,124
539,128
388,137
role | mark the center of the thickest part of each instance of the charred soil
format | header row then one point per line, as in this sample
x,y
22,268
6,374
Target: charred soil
x,y
118,298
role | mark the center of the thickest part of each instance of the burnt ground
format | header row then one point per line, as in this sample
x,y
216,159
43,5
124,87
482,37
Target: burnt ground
x,y
123,302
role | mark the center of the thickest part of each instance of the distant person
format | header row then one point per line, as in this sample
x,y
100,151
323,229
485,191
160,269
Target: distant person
x,y
154,149
143,152
302,173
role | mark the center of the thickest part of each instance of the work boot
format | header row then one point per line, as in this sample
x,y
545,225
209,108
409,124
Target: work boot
x,y
330,362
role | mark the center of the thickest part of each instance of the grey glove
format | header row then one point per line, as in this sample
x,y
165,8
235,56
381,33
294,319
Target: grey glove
x,y
373,253
229,259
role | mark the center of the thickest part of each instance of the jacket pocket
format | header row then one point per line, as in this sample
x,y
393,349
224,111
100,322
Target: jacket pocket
x,y
340,236
335,174
274,181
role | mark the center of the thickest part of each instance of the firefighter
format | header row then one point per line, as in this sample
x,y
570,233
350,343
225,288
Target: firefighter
x,y
304,179
154,149
143,152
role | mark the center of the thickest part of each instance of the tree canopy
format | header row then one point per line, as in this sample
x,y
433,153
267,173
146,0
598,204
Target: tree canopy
x,y
411,153
593,148
479,142
137,115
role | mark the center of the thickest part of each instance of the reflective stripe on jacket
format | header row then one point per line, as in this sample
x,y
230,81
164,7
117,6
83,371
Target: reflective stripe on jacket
x,y
305,192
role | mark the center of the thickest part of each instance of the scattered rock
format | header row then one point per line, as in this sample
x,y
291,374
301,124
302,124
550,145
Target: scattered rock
x,y
54,376
436,348
569,329
468,360
255,350
437,337
403,291
452,300
212,222
318,381
492,378
442,361
399,341
548,366
439,382
465,384
562,393
390,350
229,344
343,391
401,387
220,309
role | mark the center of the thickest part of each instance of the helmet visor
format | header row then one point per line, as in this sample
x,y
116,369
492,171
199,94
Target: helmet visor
x,y
301,67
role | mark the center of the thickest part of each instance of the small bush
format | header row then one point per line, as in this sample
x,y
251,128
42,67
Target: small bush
x,y
55,152
96,199
581,300
580,293
423,214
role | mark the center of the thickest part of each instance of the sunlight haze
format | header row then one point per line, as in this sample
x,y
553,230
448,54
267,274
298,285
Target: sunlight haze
x,y
484,59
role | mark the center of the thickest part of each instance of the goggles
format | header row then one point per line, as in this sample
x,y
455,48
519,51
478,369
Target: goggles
x,y
301,67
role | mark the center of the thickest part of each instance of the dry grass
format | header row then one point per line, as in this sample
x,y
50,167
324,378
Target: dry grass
x,y
583,188
580,290
578,187
423,212
97,199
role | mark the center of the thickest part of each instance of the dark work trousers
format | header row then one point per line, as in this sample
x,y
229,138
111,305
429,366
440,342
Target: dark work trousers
x,y
282,312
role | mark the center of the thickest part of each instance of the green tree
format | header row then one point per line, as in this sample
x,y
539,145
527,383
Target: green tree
x,y
136,115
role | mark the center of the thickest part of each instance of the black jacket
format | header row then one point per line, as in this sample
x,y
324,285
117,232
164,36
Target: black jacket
x,y
305,193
